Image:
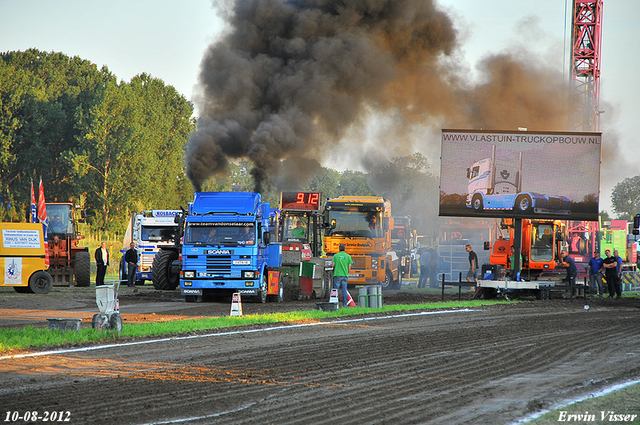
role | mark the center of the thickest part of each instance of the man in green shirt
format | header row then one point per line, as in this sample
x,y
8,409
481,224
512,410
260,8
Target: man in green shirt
x,y
341,265
298,231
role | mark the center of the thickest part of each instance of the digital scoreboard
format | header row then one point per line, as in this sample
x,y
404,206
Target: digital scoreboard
x,y
304,201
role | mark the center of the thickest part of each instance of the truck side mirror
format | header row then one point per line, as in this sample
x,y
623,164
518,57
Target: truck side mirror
x,y
487,246
636,225
266,238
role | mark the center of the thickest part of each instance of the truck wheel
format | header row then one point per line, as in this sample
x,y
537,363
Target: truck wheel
x,y
523,203
83,269
40,282
476,203
161,275
397,284
122,272
388,279
262,293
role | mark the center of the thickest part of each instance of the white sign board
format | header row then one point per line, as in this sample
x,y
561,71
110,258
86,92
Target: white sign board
x,y
520,174
17,238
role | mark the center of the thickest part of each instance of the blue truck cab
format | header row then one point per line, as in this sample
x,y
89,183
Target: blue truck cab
x,y
227,246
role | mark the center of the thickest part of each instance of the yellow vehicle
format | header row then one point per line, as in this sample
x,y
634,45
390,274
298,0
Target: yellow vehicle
x,y
363,224
22,258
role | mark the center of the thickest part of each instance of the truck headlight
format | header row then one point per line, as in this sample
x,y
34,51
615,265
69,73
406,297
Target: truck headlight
x,y
374,263
189,274
248,274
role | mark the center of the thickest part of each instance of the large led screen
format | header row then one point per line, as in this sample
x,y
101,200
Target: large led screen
x,y
522,174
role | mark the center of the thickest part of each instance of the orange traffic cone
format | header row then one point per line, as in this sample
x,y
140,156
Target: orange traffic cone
x,y
350,302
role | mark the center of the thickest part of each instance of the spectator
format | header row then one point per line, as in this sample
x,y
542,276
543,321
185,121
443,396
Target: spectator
x,y
594,270
341,266
425,260
131,260
610,265
570,265
102,261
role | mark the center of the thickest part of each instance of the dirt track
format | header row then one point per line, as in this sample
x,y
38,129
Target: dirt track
x,y
491,365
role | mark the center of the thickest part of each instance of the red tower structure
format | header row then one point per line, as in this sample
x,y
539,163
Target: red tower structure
x,y
586,43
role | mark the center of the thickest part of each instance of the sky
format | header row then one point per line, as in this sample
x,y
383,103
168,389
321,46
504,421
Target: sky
x,y
167,39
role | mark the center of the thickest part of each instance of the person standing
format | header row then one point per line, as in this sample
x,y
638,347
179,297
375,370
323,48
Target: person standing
x,y
594,270
570,265
341,266
102,261
131,259
610,265
472,274
618,272
425,259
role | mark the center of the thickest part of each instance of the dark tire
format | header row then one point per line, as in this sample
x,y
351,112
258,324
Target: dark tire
x,y
476,203
191,298
398,283
97,322
122,272
261,297
161,275
115,322
40,282
523,204
388,279
83,269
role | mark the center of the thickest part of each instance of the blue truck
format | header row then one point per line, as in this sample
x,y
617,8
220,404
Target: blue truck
x,y
229,245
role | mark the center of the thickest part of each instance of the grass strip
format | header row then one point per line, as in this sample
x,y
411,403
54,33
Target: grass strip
x,y
30,337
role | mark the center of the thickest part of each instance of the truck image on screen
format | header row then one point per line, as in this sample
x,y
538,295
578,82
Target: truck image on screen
x,y
497,186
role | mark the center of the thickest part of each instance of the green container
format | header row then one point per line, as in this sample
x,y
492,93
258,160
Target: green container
x,y
307,268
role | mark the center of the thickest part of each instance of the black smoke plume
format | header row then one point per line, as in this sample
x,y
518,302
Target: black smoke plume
x,y
289,78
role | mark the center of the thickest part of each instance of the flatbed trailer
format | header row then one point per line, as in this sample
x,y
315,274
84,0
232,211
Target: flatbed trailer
x,y
493,288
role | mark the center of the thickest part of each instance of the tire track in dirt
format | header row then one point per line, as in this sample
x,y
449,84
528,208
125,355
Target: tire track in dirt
x,y
483,367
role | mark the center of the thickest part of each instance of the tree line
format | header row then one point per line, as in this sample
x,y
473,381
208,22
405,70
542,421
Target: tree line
x,y
115,147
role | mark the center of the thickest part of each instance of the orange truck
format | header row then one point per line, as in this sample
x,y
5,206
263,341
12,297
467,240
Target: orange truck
x,y
22,258
364,225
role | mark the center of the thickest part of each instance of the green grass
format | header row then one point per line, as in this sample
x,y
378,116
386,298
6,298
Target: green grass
x,y
30,337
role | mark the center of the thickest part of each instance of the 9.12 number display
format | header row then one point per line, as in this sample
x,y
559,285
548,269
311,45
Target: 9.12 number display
x,y
301,201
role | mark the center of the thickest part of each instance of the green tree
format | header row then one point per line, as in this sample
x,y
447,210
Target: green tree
x,y
625,198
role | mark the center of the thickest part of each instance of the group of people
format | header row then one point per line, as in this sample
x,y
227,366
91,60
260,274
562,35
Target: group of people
x,y
611,269
102,261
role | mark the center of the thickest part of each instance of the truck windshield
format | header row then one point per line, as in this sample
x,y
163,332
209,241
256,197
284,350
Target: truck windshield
x,y
355,224
157,233
541,242
295,228
220,235
60,220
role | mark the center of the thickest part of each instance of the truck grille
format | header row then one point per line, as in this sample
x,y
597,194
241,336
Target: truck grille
x,y
359,262
219,264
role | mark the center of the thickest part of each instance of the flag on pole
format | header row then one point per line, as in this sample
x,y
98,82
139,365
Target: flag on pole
x,y
42,216
34,212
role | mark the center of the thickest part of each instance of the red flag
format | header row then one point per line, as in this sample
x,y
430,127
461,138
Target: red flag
x,y
42,216
34,213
